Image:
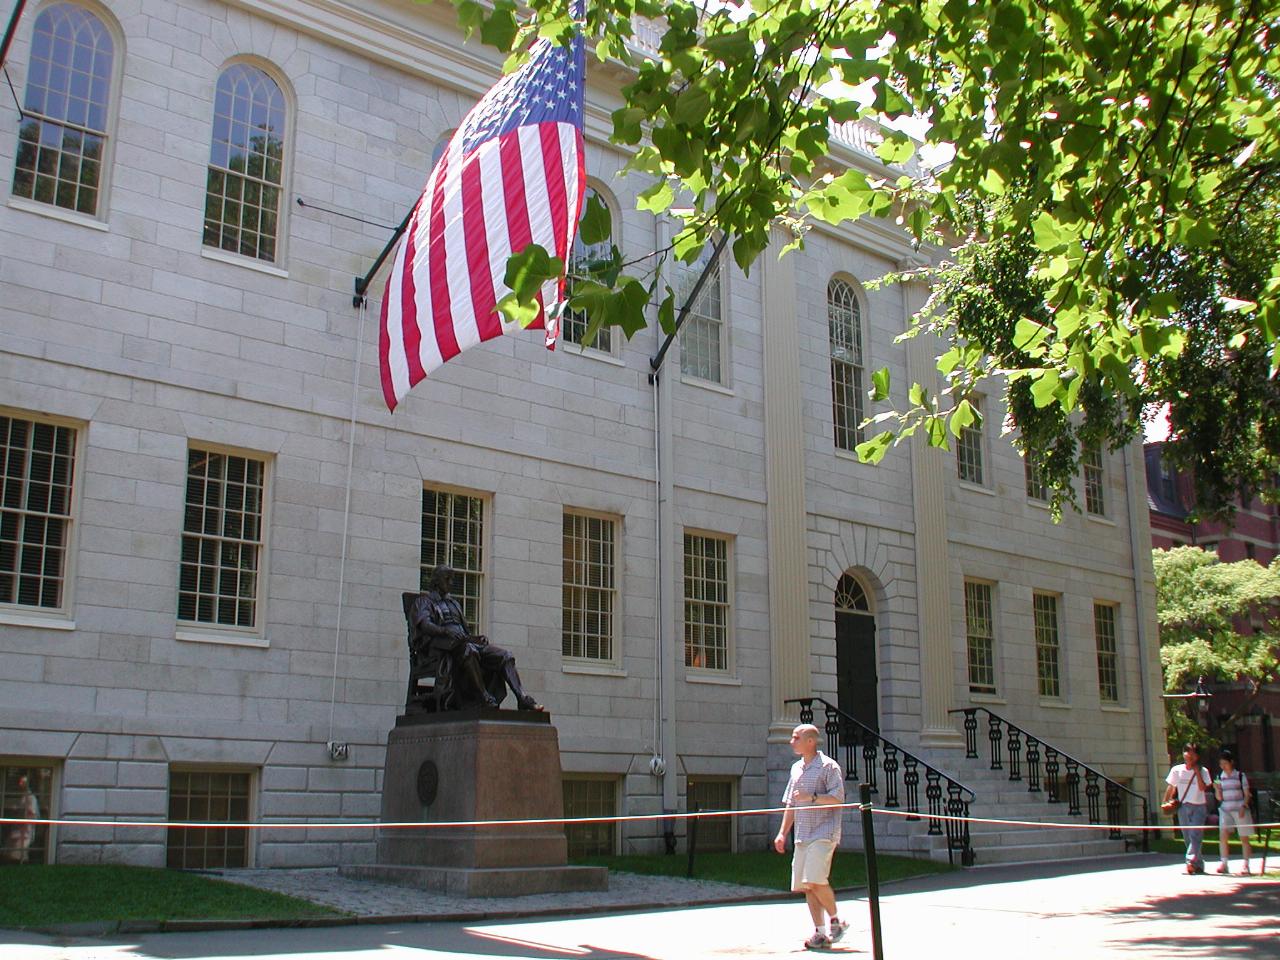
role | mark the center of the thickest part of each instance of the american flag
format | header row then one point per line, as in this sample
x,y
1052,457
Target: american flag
x,y
512,175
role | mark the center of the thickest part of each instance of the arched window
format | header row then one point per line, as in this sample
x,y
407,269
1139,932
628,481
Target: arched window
x,y
246,164
701,340
851,596
575,323
62,140
844,321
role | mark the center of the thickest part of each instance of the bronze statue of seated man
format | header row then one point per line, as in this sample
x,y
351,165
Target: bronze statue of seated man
x,y
482,671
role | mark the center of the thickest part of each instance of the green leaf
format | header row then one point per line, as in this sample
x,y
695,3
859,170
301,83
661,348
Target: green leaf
x,y
526,272
880,385
657,198
596,225
627,124
873,450
1045,389
691,106
499,29
963,416
667,314
1030,336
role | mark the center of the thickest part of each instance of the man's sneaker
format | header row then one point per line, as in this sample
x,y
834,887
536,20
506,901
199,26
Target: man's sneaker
x,y
1222,868
819,941
838,929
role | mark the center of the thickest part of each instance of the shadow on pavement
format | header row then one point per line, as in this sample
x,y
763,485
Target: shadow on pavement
x,y
1020,872
1246,922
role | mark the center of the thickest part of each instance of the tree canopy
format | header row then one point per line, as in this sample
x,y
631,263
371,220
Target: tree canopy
x,y
1217,620
1110,195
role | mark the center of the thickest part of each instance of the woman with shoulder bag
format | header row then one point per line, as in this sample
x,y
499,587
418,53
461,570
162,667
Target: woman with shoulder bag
x,y
1189,784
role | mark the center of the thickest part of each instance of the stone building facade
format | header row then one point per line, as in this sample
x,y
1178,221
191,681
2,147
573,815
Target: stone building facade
x,y
209,515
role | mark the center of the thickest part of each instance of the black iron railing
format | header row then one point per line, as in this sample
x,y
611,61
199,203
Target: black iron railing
x,y
895,774
1052,772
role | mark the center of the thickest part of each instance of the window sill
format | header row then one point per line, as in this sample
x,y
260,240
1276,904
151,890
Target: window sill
x,y
715,680
1055,704
706,385
976,488
593,670
988,698
58,213
193,634
849,455
221,256
593,353
15,618
1099,518
1113,708
1038,504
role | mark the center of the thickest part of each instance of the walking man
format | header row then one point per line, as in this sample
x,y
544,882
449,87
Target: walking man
x,y
815,787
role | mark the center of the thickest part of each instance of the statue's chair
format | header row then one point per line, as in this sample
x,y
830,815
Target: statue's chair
x,y
431,686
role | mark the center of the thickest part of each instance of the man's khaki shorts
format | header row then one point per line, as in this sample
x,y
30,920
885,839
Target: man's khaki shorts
x,y
811,863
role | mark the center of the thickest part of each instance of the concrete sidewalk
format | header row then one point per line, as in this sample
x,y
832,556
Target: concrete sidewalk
x,y
1133,906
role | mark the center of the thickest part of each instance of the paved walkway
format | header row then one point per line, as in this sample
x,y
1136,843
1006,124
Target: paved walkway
x,y
1122,908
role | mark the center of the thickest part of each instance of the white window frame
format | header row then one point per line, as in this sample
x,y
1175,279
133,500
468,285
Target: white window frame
x,y
1036,489
477,619
1059,677
974,439
97,219
1114,653
216,252
614,593
60,617
201,631
730,607
689,272
969,636
858,365
1098,469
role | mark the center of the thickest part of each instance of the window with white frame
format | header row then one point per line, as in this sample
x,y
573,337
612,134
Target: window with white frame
x,y
589,590
969,449
584,255
62,137
587,796
980,636
702,336
1104,634
1037,489
219,582
38,476
1048,648
706,602
844,325
246,164
1095,493
26,793
208,796
453,534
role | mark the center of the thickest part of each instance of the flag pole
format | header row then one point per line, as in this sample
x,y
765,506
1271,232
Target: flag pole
x,y
11,30
362,283
655,362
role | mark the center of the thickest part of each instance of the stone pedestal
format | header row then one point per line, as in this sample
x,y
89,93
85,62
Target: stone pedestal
x,y
480,764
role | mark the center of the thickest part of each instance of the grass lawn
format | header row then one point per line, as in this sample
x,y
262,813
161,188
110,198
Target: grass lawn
x,y
37,896
1171,843
762,868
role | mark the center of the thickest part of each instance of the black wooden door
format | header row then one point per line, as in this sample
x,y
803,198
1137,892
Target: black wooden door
x,y
856,681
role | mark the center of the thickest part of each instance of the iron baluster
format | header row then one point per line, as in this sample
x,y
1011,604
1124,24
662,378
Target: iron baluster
x,y
832,728
933,792
1091,794
1115,810
1073,787
911,780
870,748
890,775
971,734
1015,753
806,711
957,830
995,733
1051,773
1033,765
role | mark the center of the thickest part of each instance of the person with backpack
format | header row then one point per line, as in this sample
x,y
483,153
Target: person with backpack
x,y
1232,791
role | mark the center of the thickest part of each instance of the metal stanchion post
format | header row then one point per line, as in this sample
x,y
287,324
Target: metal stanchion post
x,y
873,874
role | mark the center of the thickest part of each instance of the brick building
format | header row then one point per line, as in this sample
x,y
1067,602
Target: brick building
x,y
197,594
1254,534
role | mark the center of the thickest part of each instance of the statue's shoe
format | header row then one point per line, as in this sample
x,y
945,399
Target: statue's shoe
x,y
528,703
